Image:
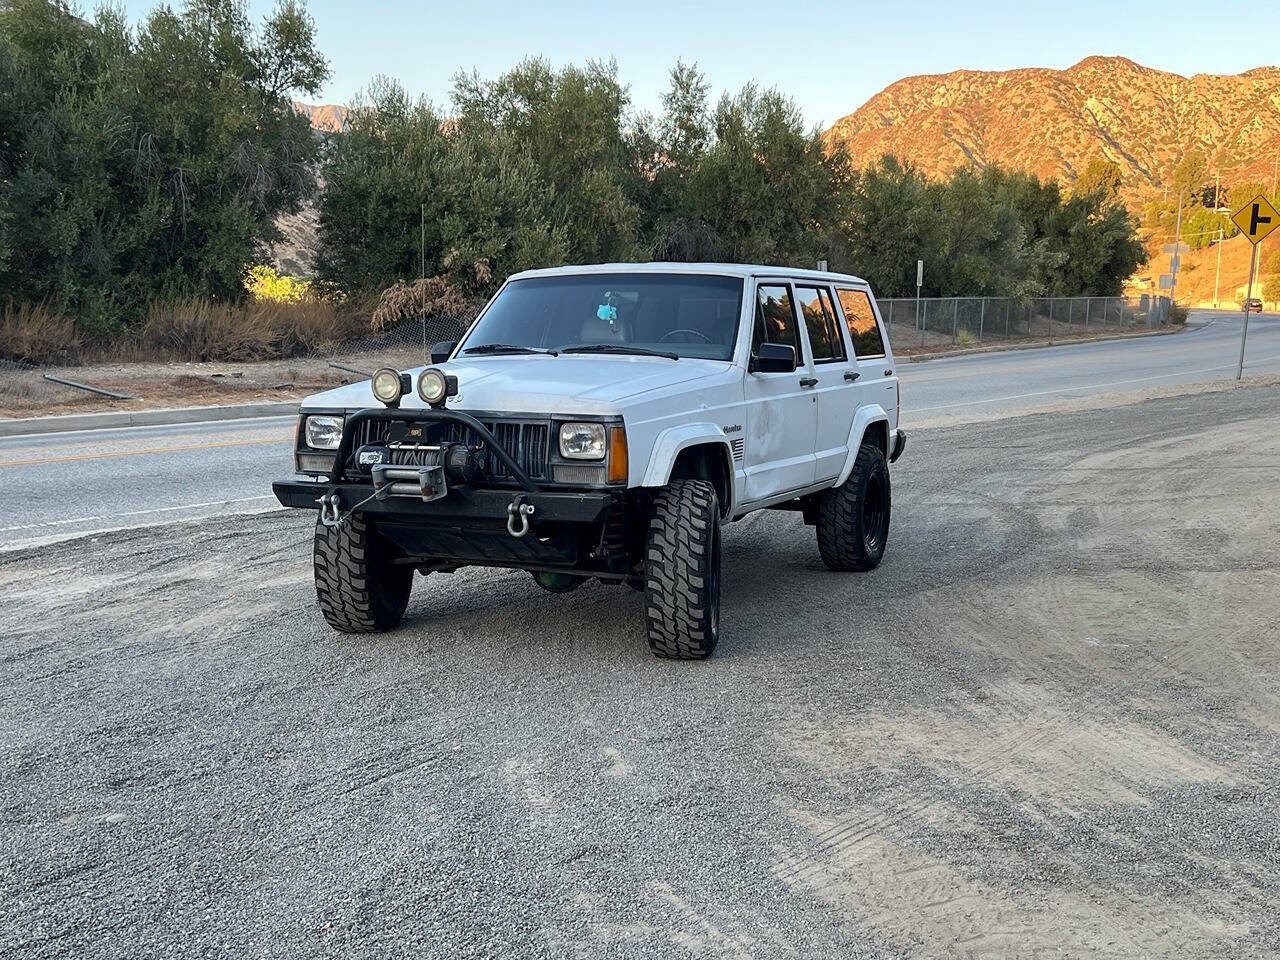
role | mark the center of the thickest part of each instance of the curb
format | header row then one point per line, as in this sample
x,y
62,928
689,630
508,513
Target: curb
x,y
1039,345
143,418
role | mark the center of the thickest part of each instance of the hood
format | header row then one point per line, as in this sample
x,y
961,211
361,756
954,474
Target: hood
x,y
567,384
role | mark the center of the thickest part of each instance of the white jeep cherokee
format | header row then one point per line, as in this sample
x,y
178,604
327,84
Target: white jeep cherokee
x,y
604,421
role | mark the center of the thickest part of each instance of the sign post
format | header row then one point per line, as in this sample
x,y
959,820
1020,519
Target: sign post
x,y
919,284
1256,219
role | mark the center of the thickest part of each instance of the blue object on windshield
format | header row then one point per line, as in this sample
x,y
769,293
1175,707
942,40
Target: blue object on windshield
x,y
607,312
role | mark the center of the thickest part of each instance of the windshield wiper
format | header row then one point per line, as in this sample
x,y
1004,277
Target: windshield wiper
x,y
620,348
507,348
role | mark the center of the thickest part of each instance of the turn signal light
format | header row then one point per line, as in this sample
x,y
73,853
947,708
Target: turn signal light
x,y
617,454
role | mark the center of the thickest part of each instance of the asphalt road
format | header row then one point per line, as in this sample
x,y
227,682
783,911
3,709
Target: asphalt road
x,y
1047,725
74,483
1207,350
64,484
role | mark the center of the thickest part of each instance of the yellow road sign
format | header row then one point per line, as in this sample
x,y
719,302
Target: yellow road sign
x,y
1257,218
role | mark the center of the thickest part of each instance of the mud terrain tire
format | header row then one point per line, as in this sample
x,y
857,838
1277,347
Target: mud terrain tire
x,y
359,589
853,518
682,571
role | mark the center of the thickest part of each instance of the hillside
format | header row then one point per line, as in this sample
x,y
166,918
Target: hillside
x,y
327,117
1053,122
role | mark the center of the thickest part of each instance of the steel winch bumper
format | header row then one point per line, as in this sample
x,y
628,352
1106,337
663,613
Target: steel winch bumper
x,y
424,494
459,504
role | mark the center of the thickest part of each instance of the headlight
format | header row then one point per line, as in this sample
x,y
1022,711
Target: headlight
x,y
386,385
323,433
582,441
433,386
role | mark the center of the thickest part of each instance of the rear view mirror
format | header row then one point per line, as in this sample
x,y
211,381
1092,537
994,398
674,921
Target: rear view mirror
x,y
440,352
774,358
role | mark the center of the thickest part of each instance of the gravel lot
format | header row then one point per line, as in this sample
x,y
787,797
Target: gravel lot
x,y
1049,724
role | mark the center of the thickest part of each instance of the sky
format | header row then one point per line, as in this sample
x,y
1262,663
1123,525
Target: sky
x,y
829,57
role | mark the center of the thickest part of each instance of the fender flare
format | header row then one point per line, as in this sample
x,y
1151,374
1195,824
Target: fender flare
x,y
671,441
866,416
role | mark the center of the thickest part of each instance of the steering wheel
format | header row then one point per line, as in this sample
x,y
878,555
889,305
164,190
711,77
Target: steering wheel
x,y
687,332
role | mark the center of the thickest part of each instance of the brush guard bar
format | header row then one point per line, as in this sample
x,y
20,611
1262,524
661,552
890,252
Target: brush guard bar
x,y
349,433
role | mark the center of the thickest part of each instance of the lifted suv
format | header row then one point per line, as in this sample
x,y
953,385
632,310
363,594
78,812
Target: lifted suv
x,y
604,422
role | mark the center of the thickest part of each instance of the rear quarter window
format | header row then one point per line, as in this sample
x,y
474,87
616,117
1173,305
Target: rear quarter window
x,y
861,319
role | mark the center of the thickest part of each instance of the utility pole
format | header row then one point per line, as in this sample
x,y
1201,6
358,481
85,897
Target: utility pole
x,y
1217,179
1218,276
1175,258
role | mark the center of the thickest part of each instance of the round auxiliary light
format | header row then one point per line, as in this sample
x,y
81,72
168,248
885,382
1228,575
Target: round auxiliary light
x,y
432,386
386,385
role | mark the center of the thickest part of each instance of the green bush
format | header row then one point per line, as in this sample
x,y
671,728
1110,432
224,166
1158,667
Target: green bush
x,y
148,163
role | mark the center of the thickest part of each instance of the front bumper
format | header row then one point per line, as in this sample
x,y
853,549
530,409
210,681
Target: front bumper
x,y
899,444
461,503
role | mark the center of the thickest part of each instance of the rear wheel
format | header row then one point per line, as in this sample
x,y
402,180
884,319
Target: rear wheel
x,y
359,589
682,571
853,519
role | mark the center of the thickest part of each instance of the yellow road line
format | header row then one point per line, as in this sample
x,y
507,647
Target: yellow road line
x,y
92,444
136,451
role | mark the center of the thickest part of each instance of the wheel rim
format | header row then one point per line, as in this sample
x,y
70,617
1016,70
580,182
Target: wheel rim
x,y
873,514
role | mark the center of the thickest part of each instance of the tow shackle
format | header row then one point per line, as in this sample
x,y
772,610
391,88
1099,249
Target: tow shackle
x,y
329,510
518,514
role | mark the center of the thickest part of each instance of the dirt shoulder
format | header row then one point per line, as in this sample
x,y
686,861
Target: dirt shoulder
x,y
25,392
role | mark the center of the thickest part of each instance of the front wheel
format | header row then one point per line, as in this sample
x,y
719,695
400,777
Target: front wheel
x,y
682,571
359,589
853,518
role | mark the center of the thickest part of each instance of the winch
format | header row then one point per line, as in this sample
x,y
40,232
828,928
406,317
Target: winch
x,y
420,469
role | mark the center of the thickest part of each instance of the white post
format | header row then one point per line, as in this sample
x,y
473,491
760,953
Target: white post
x,y
919,284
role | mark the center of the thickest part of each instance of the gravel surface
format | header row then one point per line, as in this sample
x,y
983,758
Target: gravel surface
x,y
1049,724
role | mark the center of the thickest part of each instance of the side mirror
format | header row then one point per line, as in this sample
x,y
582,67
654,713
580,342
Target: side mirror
x,y
440,352
774,358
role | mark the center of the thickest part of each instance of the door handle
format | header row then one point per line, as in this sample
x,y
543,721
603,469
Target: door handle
x,y
808,381
851,375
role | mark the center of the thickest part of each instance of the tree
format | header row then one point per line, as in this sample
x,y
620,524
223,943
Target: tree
x,y
151,163
569,123
400,166
1242,193
1100,176
1189,176
1271,289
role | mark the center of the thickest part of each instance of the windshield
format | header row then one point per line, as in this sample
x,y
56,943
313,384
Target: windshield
x,y
677,315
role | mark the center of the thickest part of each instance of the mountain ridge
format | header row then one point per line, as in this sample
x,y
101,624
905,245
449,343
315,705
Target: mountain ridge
x,y
1052,122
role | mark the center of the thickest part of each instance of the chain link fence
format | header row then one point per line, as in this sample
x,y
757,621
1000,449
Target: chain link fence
x,y
407,344
938,322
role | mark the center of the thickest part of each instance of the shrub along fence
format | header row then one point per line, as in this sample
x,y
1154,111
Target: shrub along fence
x,y
933,322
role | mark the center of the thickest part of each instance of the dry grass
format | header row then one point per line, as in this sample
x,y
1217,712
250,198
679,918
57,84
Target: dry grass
x,y
38,333
202,330
406,301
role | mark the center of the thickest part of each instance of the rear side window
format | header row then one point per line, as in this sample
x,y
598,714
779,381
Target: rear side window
x,y
776,319
820,321
863,329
